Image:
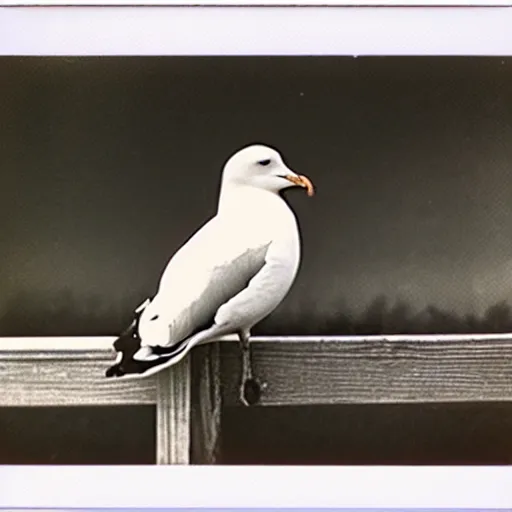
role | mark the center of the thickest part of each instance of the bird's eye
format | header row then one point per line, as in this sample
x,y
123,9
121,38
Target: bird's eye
x,y
264,162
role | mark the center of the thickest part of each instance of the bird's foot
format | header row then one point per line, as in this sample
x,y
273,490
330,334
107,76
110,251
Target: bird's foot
x,y
250,387
250,392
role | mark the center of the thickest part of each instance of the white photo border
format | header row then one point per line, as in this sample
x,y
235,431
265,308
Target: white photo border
x,y
236,487
265,3
214,31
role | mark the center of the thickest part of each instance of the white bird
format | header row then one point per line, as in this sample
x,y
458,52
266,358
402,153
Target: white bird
x,y
229,275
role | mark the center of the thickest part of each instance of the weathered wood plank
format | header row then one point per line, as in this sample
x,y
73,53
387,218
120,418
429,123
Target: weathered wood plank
x,y
173,414
67,379
375,370
206,404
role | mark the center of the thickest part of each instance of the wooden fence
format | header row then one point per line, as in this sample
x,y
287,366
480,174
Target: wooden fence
x,y
295,370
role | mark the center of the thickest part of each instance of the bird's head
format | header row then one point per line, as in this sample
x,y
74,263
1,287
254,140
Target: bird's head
x,y
262,167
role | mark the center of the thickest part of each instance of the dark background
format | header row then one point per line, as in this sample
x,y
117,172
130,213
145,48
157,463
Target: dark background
x,y
109,164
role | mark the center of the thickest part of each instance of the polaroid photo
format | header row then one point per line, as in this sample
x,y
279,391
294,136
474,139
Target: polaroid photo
x,y
242,238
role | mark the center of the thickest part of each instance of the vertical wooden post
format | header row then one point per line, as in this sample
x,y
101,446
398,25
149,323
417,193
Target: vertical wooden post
x,y
173,414
206,404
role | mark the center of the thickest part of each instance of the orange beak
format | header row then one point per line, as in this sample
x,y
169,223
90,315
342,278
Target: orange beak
x,y
302,181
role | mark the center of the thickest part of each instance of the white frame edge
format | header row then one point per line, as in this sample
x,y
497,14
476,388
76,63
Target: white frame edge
x,y
255,31
262,3
214,487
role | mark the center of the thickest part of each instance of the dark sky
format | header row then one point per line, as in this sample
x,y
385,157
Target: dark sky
x,y
109,164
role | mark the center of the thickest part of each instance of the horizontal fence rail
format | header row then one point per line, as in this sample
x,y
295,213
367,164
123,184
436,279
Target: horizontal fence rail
x,y
294,370
375,369
65,371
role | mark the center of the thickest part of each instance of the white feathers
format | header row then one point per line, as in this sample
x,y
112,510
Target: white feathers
x,y
235,269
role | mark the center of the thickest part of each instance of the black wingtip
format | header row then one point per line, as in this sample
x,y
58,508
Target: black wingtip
x,y
129,342
114,371
127,345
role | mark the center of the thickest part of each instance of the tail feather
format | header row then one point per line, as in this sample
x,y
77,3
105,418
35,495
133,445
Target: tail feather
x,y
127,344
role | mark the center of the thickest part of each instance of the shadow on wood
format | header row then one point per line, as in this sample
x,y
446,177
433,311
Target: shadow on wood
x,y
206,404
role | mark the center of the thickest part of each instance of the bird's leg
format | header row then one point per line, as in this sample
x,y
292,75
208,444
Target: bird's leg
x,y
246,356
250,389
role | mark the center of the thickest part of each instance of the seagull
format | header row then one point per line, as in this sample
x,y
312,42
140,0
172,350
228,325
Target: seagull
x,y
230,274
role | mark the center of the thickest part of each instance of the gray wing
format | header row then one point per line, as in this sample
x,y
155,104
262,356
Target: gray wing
x,y
159,326
265,290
